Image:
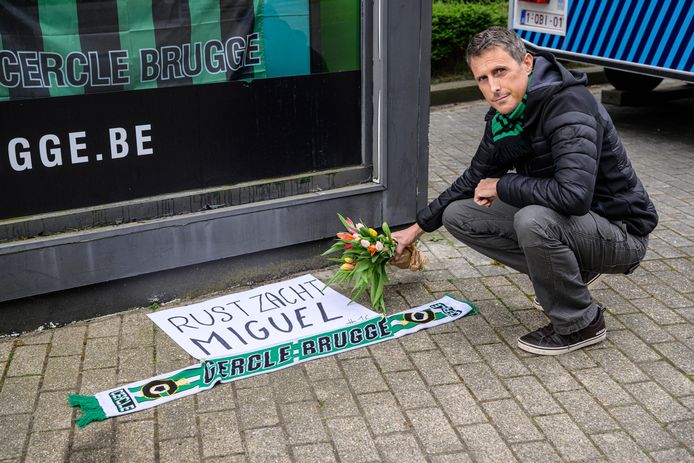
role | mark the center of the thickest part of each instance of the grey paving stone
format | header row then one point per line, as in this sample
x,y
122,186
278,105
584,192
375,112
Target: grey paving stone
x,y
552,374
134,442
482,381
314,453
670,298
459,457
679,354
98,434
176,419
497,314
456,348
5,349
220,433
645,328
536,452
256,408
409,389
415,294
620,447
603,388
398,448
335,399
658,311
91,456
485,444
220,397
61,373
512,422
138,330
417,342
104,327
458,404
267,445
352,440
502,360
477,330
178,450
38,337
322,369
684,432
390,356
302,422
532,395
19,394
14,430
589,415
434,368
290,385
68,340
645,430
167,349
135,364
576,360
567,438
434,431
363,375
46,447
679,455
617,365
659,402
28,360
94,381
669,378
100,353
634,348
52,412
382,412
684,333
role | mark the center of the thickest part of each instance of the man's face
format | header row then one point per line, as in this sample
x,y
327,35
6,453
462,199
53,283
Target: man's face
x,y
502,80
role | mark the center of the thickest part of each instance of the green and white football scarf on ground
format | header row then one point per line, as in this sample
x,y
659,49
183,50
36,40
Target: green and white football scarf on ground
x,y
151,392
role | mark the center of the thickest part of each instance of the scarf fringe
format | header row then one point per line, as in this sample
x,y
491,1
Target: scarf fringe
x,y
90,408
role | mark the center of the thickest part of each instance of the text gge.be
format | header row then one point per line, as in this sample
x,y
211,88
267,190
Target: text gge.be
x,y
50,149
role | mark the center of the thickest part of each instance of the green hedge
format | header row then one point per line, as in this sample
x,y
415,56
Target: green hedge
x,y
453,25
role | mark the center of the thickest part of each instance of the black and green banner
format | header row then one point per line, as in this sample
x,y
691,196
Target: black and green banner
x,y
73,47
161,96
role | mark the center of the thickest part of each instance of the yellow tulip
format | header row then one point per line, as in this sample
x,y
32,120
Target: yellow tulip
x,y
349,260
373,232
347,267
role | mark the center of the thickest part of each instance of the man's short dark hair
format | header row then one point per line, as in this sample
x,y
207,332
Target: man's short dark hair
x,y
496,37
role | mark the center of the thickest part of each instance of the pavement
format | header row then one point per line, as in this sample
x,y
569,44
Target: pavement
x,y
461,392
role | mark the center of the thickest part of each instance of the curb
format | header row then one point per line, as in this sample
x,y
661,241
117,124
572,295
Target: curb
x,y
466,90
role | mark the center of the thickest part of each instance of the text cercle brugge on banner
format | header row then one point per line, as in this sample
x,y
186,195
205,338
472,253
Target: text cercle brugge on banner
x,y
68,47
349,326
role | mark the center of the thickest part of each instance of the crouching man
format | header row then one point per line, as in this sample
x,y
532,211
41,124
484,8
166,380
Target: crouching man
x,y
550,191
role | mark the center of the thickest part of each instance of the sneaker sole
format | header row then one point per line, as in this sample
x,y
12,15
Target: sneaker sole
x,y
562,350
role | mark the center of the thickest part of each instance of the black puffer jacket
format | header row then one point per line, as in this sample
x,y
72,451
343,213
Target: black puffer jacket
x,y
577,162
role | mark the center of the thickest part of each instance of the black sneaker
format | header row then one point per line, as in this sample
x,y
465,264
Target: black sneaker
x,y
588,278
546,341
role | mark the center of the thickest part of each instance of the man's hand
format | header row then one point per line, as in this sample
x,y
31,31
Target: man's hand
x,y
485,192
406,237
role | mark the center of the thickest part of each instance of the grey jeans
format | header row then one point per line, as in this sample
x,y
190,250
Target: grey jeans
x,y
552,248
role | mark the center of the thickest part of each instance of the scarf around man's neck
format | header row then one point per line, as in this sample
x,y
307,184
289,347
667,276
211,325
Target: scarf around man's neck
x,y
509,145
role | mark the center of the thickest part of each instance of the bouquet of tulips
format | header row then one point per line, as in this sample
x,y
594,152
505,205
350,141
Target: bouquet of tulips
x,y
363,262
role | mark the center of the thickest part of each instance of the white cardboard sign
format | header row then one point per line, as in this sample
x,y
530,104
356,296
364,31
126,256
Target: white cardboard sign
x,y
259,317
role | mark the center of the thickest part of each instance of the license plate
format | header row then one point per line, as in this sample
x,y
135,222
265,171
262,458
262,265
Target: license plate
x,y
542,19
